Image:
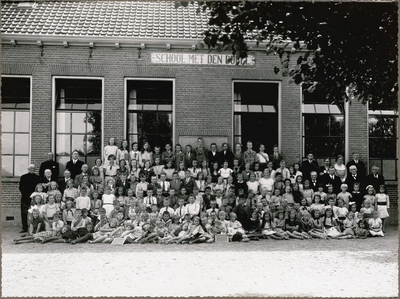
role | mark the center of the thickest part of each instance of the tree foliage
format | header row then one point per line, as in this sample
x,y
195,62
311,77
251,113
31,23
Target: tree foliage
x,y
348,50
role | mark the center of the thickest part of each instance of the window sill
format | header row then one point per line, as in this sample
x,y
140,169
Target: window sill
x,y
10,180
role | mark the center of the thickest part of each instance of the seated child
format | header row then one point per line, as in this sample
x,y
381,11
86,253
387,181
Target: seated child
x,y
375,225
235,229
305,225
349,226
268,227
361,231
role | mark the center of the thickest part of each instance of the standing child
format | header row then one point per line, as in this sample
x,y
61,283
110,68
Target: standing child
x,y
68,213
341,212
120,196
108,200
321,193
83,201
252,184
370,196
308,193
71,191
357,196
367,210
39,191
346,196
382,204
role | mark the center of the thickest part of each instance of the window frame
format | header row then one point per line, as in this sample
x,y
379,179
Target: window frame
x,y
30,120
279,105
126,79
54,110
384,114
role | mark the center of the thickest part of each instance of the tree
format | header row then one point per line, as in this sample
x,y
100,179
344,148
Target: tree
x,y
351,47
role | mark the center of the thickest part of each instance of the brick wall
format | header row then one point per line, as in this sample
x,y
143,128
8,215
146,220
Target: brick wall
x,y
203,95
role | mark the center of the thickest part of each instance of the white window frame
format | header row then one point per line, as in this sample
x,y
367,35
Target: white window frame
x,y
279,108
30,112
126,79
53,109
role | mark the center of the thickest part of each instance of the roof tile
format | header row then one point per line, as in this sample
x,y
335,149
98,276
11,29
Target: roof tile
x,y
148,19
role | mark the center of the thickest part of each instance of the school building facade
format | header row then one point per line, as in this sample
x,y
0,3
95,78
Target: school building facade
x,y
75,74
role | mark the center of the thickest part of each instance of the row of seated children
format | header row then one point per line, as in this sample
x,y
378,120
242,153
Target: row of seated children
x,y
267,222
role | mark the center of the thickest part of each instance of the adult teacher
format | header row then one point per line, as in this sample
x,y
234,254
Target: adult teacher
x,y
27,186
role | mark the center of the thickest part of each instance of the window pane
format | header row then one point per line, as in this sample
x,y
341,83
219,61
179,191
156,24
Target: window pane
x,y
78,123
79,144
132,123
7,142
337,125
388,148
93,122
63,146
7,121
63,160
255,108
93,145
321,126
21,165
321,108
389,169
7,166
238,125
336,147
22,121
22,144
156,123
63,122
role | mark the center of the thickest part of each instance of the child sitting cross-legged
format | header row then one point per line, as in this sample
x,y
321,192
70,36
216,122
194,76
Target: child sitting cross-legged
x,y
235,229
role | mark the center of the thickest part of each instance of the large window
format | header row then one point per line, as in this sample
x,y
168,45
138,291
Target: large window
x,y
149,112
383,139
323,127
78,119
256,113
15,125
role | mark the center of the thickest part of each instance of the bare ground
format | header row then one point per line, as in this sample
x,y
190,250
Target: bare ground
x,y
339,268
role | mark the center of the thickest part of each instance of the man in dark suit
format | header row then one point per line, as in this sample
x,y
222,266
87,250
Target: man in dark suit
x,y
275,158
74,165
49,164
314,181
225,155
46,180
212,155
188,182
361,170
27,186
352,178
331,179
309,165
63,183
373,179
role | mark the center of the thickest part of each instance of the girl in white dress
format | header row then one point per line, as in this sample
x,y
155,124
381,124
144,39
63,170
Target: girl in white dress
x,y
108,200
382,204
123,153
110,149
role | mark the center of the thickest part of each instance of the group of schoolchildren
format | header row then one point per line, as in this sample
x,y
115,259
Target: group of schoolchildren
x,y
187,197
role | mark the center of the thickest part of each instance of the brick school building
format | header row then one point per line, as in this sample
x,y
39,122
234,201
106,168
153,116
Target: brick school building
x,y
75,74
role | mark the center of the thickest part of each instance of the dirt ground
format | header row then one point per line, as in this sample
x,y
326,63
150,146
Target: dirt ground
x,y
309,268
